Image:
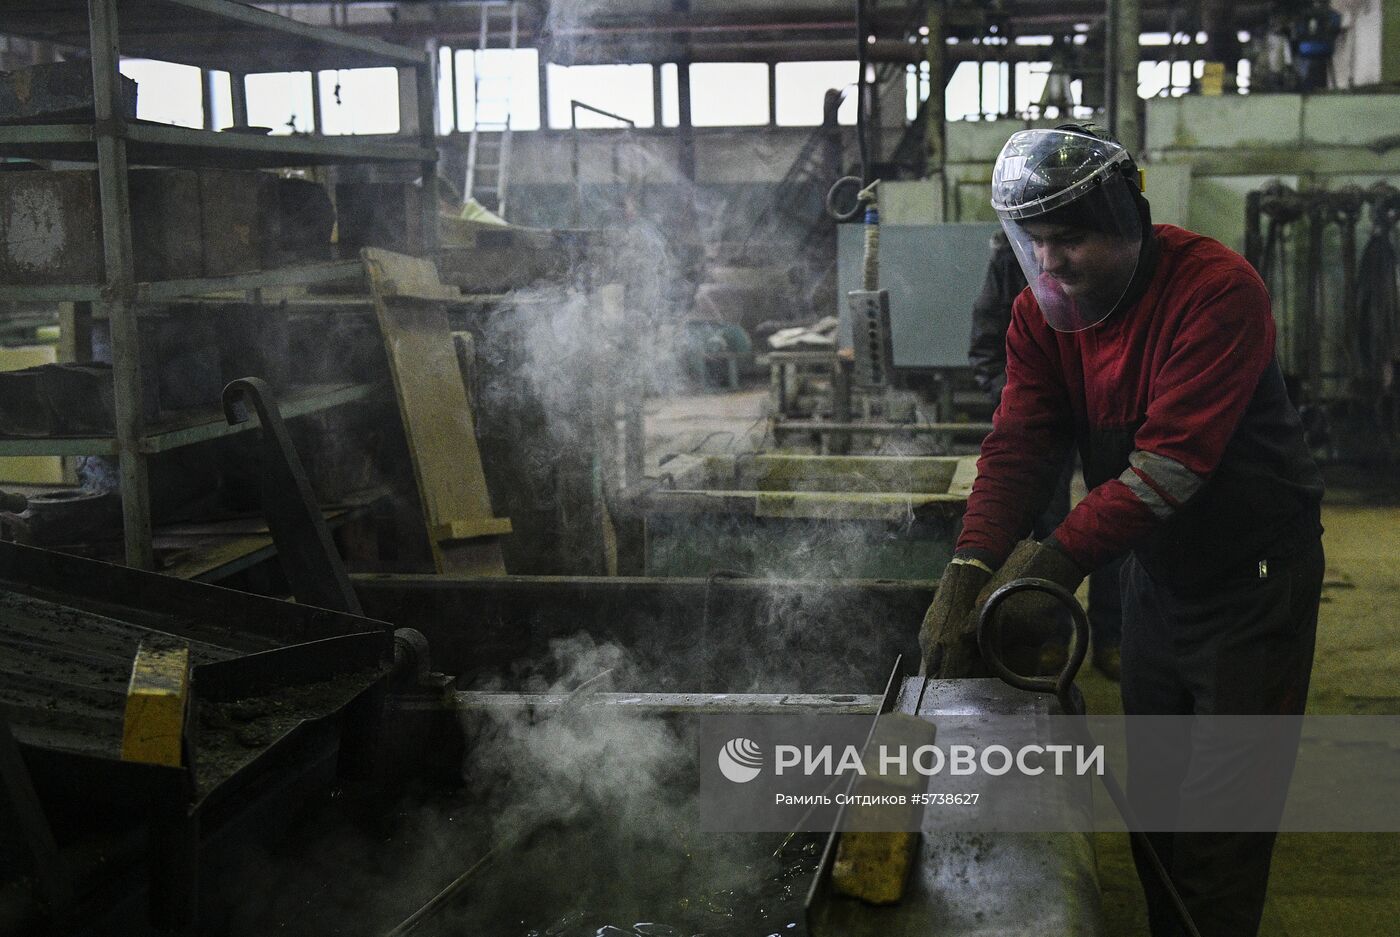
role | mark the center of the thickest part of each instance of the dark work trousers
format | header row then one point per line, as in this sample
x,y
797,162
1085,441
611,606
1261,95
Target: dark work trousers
x,y
1243,647
1105,607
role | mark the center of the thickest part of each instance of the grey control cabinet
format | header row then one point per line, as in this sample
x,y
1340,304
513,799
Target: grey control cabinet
x,y
933,274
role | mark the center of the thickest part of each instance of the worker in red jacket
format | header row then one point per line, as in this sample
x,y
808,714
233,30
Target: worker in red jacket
x,y
1152,349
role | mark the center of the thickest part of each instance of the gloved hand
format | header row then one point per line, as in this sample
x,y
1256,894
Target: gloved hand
x,y
1026,618
947,643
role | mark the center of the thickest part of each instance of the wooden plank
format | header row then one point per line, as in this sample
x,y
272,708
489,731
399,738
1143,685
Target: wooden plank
x,y
409,302
157,700
963,477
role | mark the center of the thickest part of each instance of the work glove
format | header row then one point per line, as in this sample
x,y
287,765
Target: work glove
x,y
1027,616
948,636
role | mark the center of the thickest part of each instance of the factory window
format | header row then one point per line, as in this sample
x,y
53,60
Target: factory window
x,y
669,77
280,100
967,100
624,90
446,103
915,88
221,91
1031,78
360,100
166,93
499,83
729,94
1167,79
801,87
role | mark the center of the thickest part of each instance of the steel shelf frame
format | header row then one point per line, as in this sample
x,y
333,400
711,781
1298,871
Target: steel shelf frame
x,y
188,432
165,290
265,42
150,144
198,32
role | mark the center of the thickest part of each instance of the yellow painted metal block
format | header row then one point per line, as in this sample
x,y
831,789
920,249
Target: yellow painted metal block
x,y
156,704
879,843
874,866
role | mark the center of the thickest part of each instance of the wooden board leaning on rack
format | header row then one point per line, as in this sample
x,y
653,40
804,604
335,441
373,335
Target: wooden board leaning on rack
x,y
410,303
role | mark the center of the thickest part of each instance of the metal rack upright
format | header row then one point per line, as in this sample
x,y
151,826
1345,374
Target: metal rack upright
x,y
217,34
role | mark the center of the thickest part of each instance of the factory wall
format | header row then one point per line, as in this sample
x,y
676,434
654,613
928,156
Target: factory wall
x,y
1231,146
737,172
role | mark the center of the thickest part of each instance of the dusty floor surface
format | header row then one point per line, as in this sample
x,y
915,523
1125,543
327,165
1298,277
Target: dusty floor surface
x,y
1322,884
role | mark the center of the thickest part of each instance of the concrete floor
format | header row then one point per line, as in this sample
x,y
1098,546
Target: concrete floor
x,y
1322,884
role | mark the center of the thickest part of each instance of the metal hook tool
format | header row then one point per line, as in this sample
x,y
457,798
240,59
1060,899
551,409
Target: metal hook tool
x,y
1072,703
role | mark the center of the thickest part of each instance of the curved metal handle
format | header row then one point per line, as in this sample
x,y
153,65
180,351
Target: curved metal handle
x,y
1061,685
842,185
252,388
1072,703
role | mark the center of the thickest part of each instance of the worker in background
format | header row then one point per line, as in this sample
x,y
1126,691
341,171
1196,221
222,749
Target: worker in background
x,y
991,316
1152,348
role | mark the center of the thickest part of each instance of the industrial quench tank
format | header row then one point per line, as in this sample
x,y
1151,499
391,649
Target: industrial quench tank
x,y
805,516
641,662
342,777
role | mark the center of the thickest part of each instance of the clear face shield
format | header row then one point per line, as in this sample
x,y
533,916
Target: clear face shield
x,y
1073,222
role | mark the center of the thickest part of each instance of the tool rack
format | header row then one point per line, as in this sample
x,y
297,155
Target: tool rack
x,y
209,34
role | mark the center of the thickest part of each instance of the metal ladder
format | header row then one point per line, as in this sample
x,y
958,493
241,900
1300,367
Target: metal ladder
x,y
488,159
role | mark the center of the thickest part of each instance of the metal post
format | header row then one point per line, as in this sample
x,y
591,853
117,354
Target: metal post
x,y
427,137
936,127
772,94
658,106
1126,56
576,192
451,99
1311,308
839,443
206,86
685,132
1110,67
238,98
110,135
318,123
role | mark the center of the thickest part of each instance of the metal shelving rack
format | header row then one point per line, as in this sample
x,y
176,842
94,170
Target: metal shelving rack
x,y
217,34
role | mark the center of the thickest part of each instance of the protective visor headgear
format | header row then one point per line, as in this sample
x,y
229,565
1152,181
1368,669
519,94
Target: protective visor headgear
x,y
1068,178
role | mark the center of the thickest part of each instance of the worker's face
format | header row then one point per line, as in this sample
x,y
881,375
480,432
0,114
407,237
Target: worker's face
x,y
1087,265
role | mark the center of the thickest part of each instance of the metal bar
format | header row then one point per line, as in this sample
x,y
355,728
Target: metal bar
x,y
119,266
46,133
1110,66
1126,59
579,105
309,34
1310,309
676,703
202,431
936,53
69,446
206,94
278,150
304,275
238,98
162,290
318,122
426,73
304,547
839,443
299,405
912,429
